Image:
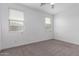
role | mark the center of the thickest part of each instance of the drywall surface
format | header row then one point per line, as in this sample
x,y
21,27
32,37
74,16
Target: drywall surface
x,y
66,25
34,29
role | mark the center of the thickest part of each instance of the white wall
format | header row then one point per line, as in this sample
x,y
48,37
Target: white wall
x,y
66,25
34,27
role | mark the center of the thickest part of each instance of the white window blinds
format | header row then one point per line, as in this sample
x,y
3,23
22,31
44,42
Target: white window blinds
x,y
48,24
16,20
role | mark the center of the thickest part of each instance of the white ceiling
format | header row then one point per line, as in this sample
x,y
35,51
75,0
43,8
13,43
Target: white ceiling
x,y
58,7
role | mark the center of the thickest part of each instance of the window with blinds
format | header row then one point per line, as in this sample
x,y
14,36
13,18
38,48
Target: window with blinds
x,y
48,24
16,20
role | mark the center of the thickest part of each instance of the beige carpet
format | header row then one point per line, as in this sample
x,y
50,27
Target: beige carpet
x,y
44,48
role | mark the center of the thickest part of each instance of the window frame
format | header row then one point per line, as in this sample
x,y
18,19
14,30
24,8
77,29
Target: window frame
x,y
15,20
48,27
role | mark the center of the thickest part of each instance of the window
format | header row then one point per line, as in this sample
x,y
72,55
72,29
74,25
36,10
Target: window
x,y
48,23
16,20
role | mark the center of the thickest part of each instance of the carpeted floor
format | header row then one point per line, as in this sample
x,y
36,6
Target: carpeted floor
x,y
44,48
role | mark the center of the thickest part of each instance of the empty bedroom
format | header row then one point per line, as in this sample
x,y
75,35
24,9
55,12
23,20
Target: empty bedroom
x,y
39,29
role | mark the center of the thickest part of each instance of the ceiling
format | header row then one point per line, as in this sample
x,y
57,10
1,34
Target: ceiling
x,y
58,7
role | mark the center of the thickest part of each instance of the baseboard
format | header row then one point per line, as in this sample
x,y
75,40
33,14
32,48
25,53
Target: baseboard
x,y
71,42
24,44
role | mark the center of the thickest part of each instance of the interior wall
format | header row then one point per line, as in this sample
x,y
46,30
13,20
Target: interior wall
x,y
34,30
66,25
